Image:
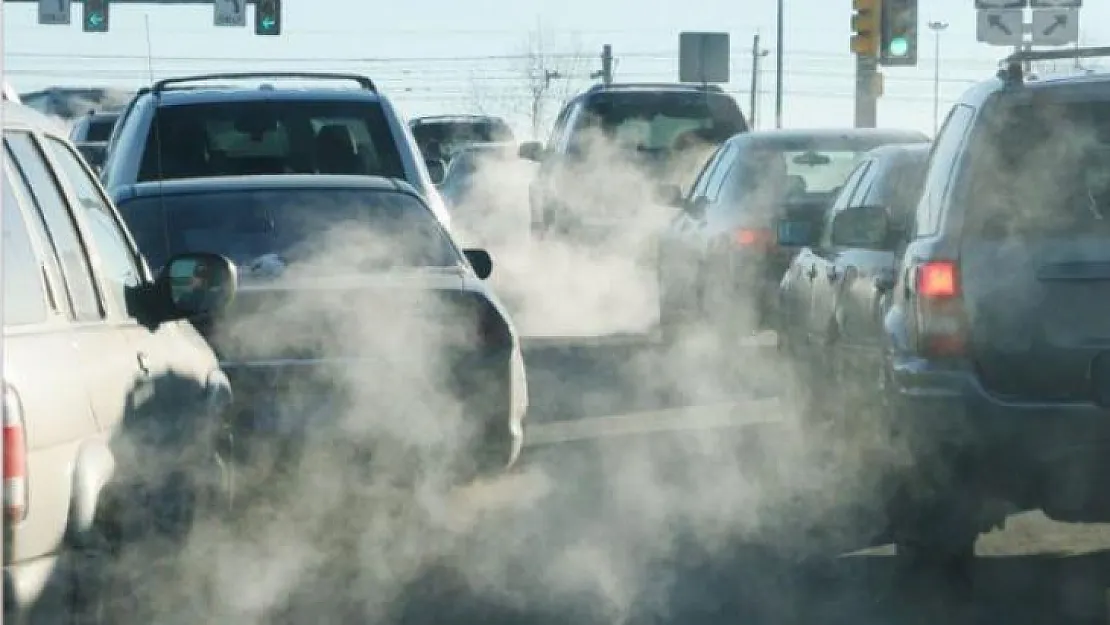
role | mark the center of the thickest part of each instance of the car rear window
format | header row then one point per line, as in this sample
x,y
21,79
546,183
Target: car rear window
x,y
446,139
99,129
653,120
270,137
348,228
1040,169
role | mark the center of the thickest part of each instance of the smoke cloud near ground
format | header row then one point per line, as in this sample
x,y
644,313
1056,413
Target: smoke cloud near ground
x,y
584,532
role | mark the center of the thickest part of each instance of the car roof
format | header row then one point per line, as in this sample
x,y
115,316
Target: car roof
x,y
654,87
1082,82
455,119
217,94
185,186
861,137
16,114
894,150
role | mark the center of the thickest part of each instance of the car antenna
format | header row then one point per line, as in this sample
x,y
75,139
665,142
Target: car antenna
x,y
157,122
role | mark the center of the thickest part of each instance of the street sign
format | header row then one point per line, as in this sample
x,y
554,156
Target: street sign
x,y
1000,4
1000,27
1055,27
1056,4
54,11
230,12
703,57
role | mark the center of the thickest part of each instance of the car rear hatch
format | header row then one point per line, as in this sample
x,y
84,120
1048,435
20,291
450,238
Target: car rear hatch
x,y
1035,254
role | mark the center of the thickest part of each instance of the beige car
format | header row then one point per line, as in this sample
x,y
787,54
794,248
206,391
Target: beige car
x,y
112,403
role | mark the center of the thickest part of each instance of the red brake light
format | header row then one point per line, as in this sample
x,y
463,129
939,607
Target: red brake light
x,y
753,237
938,279
15,458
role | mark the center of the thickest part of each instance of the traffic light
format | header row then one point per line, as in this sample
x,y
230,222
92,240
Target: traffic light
x,y
899,26
865,27
267,17
95,16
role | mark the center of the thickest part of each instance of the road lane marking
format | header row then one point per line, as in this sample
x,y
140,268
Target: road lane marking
x,y
716,416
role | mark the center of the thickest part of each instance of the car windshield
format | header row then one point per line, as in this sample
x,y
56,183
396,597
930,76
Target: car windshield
x,y
767,177
100,129
271,137
343,229
1041,170
658,121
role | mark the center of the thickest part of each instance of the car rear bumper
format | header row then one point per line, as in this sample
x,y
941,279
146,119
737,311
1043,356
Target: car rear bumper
x,y
1032,453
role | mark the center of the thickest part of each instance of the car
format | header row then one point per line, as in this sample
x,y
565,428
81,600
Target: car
x,y
990,368
110,397
349,285
720,259
443,136
90,134
829,297
658,132
224,130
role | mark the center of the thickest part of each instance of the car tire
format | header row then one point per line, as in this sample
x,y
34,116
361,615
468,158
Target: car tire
x,y
941,533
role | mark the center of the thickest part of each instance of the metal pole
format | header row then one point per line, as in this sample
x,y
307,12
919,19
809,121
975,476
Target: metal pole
x,y
936,27
755,79
607,64
778,66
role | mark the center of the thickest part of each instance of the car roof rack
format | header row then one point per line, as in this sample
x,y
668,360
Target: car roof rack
x,y
658,85
362,81
1012,69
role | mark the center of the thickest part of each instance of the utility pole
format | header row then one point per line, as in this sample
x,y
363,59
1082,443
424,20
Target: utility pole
x,y
867,101
937,27
778,65
866,31
757,55
606,71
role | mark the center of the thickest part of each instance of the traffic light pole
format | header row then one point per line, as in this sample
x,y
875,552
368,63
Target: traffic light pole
x,y
867,100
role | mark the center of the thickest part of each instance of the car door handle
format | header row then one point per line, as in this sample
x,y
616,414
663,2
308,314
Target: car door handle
x,y
144,363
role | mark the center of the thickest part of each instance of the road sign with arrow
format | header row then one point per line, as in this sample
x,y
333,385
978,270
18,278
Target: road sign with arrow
x,y
1055,27
1000,27
95,18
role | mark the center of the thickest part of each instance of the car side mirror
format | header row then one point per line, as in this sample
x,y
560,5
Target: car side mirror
x,y
480,261
531,151
196,284
865,227
696,209
437,170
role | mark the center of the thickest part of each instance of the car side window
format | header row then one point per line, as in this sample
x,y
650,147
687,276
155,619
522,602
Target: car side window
x,y
42,187
702,181
24,291
720,173
945,150
118,264
843,200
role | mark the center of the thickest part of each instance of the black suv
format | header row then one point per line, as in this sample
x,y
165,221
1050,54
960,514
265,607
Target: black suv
x,y
608,141
994,356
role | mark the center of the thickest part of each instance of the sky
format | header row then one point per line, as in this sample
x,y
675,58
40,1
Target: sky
x,y
445,56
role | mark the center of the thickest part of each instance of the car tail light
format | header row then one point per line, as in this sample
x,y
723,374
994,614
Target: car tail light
x,y
15,458
758,238
942,322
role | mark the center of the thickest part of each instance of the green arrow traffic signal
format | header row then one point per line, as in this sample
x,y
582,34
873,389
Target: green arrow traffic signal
x,y
267,17
268,23
96,16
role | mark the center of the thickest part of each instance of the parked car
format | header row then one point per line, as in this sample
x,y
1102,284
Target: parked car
x,y
218,130
444,136
112,404
992,364
718,260
612,139
347,281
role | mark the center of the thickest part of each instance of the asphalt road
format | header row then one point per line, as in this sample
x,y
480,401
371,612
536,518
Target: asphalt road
x,y
639,502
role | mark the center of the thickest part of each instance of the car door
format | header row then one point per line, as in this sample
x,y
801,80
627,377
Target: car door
x,y
172,368
107,361
819,264
47,392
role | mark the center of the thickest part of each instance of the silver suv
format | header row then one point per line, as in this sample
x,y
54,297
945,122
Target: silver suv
x,y
110,397
207,130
